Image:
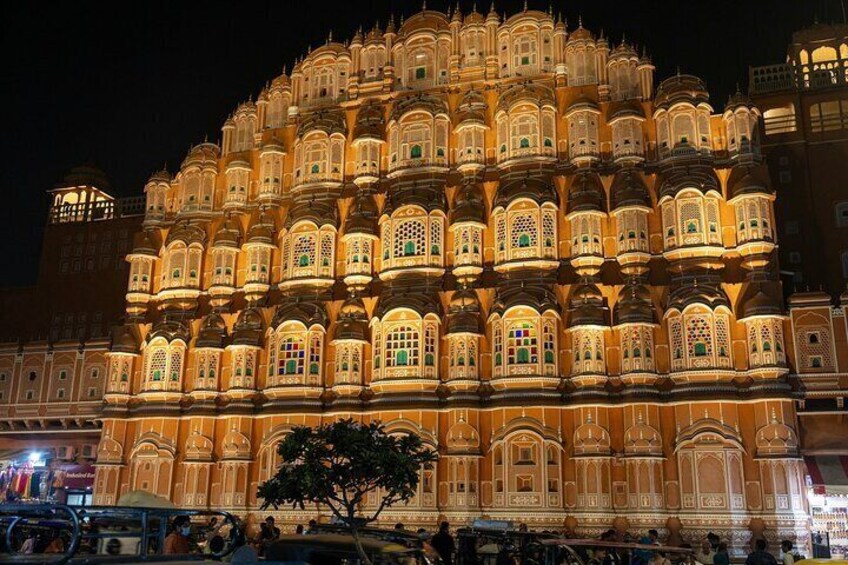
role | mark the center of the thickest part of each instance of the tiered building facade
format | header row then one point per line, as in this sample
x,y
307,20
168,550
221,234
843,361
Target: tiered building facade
x,y
495,233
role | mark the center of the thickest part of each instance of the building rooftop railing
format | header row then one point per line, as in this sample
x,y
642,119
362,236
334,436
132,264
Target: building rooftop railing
x,y
97,210
788,77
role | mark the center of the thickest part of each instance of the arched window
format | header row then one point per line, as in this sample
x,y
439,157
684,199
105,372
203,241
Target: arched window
x,y
163,365
295,354
405,347
291,356
411,238
402,347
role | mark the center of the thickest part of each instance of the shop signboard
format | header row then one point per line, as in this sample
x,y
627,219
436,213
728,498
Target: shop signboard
x,y
75,477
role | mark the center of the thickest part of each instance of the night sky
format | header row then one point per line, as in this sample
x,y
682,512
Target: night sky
x,y
130,86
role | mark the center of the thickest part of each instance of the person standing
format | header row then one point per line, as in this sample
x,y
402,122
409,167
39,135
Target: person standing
x,y
177,541
599,556
611,557
760,556
643,556
721,556
275,531
706,554
659,558
28,547
787,553
444,543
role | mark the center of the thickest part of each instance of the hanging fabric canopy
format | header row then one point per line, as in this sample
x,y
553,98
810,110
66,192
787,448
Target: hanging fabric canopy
x,y
828,472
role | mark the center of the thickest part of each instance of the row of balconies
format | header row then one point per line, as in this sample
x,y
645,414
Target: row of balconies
x,y
587,256
518,372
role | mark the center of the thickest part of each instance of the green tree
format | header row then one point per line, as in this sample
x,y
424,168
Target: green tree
x,y
338,464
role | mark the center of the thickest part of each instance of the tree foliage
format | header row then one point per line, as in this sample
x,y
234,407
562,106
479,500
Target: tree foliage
x,y
338,464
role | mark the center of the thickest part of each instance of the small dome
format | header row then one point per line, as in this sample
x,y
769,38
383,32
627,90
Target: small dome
x,y
248,328
681,88
748,179
761,299
634,305
642,439
352,323
171,329
85,175
695,292
272,145
586,194
582,102
469,206
280,82
213,332
369,123
422,102
187,233
245,109
319,212
776,439
537,189
534,93
306,312
203,154
428,194
374,35
407,292
625,109
474,17
362,218
145,245
329,122
629,190
462,438
464,313
623,50
472,108
424,20
124,340
160,176
580,34
738,100
586,306
228,234
700,177
519,293
331,47
591,439
262,228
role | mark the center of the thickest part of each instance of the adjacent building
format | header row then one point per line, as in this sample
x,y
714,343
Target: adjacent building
x,y
55,336
804,102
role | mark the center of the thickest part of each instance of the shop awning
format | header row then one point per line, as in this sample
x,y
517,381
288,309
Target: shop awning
x,y
828,472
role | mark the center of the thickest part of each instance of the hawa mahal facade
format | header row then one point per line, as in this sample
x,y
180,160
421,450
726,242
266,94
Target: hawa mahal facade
x,y
497,233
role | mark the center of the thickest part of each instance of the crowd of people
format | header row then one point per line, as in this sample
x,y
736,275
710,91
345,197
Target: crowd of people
x,y
462,547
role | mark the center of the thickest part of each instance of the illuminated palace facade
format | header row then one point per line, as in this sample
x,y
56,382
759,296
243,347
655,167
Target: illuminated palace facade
x,y
495,233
